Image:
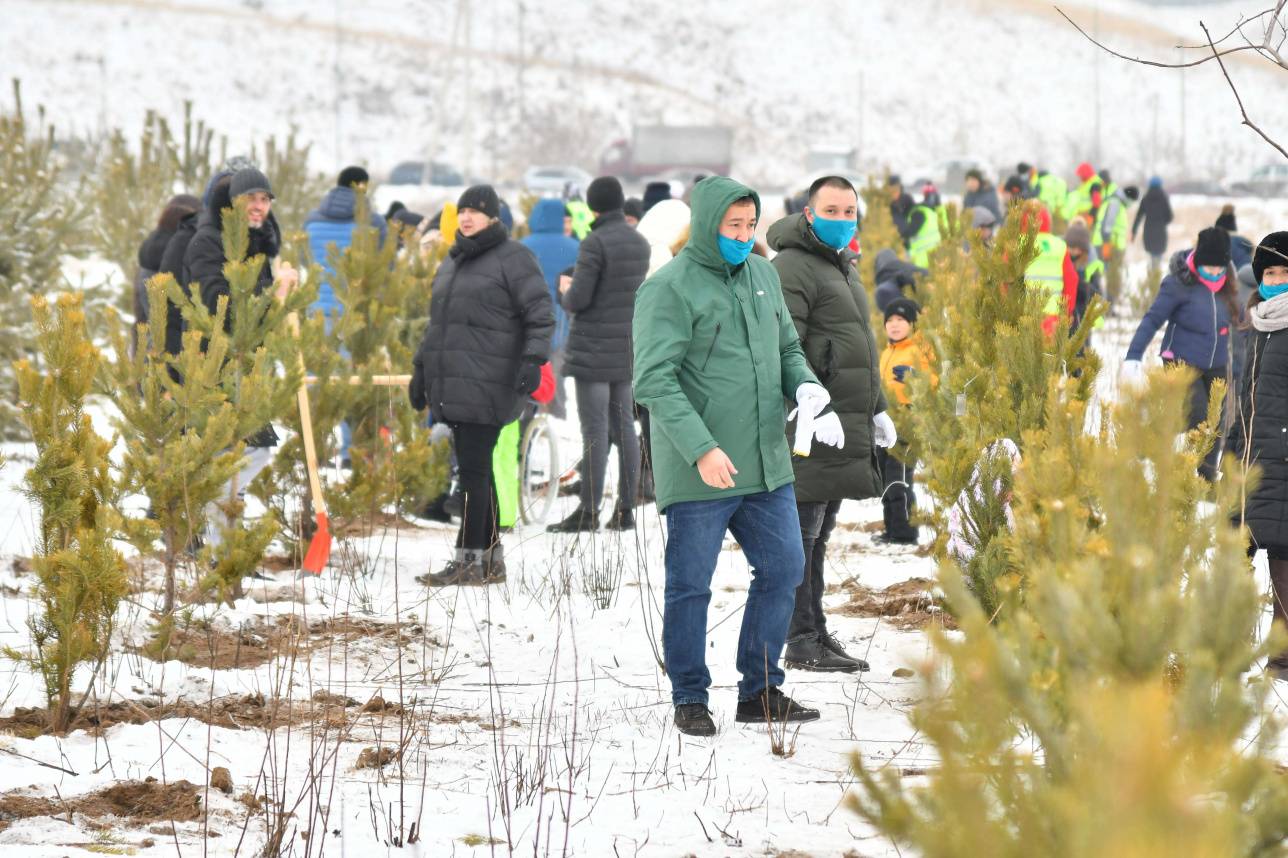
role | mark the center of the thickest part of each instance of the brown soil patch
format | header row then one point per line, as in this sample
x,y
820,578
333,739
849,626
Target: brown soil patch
x,y
137,801
239,712
909,604
204,644
279,563
369,525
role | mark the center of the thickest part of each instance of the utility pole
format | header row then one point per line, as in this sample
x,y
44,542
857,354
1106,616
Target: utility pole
x,y
467,10
1185,168
1099,155
336,83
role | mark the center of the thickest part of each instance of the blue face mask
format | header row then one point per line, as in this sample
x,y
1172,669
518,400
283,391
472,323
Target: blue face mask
x,y
836,234
734,252
1269,290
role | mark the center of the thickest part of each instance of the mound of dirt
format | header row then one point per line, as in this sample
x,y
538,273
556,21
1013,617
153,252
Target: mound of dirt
x,y
137,801
910,604
237,712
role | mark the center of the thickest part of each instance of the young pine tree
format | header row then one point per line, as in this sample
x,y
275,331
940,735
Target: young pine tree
x,y
41,221
1109,713
383,294
80,578
180,434
997,368
258,341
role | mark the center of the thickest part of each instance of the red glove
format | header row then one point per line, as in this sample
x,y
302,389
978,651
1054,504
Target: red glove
x,y
545,392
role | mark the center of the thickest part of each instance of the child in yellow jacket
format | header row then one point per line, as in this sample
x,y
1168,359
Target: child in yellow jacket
x,y
906,353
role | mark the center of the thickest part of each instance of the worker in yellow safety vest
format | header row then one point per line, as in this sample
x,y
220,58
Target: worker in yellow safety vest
x,y
923,226
1051,271
1084,201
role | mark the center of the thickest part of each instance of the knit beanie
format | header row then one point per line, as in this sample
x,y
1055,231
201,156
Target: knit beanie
x,y
1273,250
905,307
481,198
351,176
1212,248
1013,185
1023,168
604,194
656,192
634,207
1226,220
249,181
1078,236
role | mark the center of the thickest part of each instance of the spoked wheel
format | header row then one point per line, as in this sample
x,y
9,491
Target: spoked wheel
x,y
539,471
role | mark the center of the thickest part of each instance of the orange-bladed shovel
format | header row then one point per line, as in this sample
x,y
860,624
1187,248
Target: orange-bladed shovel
x,y
315,559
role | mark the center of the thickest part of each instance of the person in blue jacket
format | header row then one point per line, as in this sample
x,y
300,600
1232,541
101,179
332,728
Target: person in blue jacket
x,y
1197,306
330,229
557,255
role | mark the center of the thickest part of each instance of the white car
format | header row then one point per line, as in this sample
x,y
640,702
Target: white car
x,y
1268,181
553,181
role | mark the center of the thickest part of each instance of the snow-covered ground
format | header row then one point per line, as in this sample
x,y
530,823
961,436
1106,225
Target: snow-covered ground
x,y
497,86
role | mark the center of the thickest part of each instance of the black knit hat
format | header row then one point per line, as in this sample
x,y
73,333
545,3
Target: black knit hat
x,y
1226,220
351,176
248,181
905,307
656,192
481,198
1273,250
633,207
1212,248
1023,168
1013,185
605,195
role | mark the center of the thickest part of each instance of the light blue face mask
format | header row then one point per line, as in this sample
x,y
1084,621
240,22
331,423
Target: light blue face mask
x,y
1274,290
835,233
734,252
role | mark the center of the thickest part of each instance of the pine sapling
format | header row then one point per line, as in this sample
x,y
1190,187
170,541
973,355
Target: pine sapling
x,y
80,578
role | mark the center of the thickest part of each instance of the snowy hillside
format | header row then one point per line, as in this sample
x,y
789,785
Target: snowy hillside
x,y
518,82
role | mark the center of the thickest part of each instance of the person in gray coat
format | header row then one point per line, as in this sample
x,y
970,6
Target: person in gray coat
x,y
611,264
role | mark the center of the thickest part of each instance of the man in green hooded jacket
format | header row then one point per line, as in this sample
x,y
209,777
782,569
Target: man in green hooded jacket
x,y
716,356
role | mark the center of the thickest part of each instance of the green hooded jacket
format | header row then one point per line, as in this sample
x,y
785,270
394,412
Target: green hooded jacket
x,y
830,310
716,355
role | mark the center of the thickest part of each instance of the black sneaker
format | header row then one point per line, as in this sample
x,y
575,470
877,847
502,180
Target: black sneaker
x,y
811,654
896,538
831,644
578,521
773,705
694,719
460,573
623,519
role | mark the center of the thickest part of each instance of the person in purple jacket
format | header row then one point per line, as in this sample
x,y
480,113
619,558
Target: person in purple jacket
x,y
1196,306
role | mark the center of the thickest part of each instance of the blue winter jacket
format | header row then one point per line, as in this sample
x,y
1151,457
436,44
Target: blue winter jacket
x,y
332,223
1195,320
555,252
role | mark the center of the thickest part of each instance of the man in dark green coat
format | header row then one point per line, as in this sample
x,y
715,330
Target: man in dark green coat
x,y
716,356
830,310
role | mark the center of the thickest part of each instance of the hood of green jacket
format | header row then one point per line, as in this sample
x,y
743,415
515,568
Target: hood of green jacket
x,y
710,200
794,231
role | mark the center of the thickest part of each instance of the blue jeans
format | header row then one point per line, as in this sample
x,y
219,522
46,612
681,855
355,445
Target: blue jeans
x,y
768,529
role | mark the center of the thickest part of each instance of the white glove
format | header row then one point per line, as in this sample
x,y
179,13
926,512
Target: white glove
x,y
1132,372
811,398
884,433
827,430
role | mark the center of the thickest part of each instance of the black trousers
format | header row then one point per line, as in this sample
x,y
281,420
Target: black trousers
x,y
474,443
1196,413
818,519
897,500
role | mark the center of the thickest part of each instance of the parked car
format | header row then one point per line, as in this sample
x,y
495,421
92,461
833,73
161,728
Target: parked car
x,y
552,181
1270,180
1198,187
413,173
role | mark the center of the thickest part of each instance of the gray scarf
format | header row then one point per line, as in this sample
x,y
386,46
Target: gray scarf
x,y
1270,316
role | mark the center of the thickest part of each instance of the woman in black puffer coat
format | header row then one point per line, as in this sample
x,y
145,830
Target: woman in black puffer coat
x,y
152,251
1259,436
490,324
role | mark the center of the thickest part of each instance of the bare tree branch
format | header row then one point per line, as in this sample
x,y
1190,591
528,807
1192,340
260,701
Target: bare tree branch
x,y
1246,121
1263,49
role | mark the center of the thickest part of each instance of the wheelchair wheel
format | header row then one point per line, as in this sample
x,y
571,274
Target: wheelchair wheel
x,y
538,471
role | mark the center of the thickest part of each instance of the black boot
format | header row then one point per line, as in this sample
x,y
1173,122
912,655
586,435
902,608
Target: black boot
x,y
773,705
810,654
623,519
436,510
578,521
468,569
831,644
694,719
